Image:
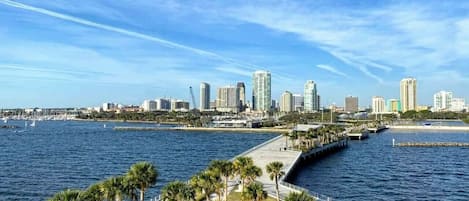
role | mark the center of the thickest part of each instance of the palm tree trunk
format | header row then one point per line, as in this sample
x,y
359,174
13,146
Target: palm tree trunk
x,y
242,189
225,196
142,194
207,197
276,188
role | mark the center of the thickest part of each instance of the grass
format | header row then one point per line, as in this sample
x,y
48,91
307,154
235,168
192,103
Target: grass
x,y
236,196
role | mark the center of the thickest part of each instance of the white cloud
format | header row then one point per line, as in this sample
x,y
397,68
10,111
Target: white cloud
x,y
331,69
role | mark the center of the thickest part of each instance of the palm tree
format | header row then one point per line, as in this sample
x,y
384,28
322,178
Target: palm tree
x,y
225,169
178,191
112,188
66,195
205,183
255,192
240,164
143,175
251,173
129,188
303,196
275,172
92,193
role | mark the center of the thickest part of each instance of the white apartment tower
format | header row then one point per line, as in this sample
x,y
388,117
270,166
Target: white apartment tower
x,y
378,105
261,91
311,102
408,90
286,102
442,101
204,96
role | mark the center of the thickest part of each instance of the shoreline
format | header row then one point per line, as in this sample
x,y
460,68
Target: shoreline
x,y
430,128
127,121
239,130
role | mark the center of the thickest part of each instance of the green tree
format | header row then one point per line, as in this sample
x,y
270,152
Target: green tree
x,y
93,193
66,195
240,165
274,169
112,189
226,170
255,192
143,175
251,173
205,183
303,196
178,191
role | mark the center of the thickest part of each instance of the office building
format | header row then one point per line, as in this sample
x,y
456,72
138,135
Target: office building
x,y
298,102
204,96
109,107
311,102
228,99
261,91
408,91
394,105
242,96
149,106
351,104
163,104
378,105
286,102
179,106
442,101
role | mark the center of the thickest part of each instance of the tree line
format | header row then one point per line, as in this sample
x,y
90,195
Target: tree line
x,y
211,181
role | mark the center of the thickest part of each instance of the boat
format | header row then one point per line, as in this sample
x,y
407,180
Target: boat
x,y
427,124
33,124
5,120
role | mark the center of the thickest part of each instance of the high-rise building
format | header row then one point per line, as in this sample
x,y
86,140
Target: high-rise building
x,y
442,101
458,104
408,88
109,107
378,105
149,105
394,105
242,95
179,105
351,104
261,91
204,96
228,99
286,102
298,102
311,97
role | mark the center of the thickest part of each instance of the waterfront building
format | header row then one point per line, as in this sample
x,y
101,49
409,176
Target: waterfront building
x,y
204,96
242,96
228,99
261,91
286,102
109,107
422,108
148,106
163,104
298,102
351,104
213,105
458,104
311,99
179,105
408,91
394,105
442,101
378,105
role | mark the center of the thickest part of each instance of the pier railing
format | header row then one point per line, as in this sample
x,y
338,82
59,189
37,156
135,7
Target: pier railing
x,y
316,195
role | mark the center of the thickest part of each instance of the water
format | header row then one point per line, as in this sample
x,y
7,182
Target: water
x,y
56,155
373,170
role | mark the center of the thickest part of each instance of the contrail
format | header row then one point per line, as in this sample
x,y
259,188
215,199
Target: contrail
x,y
128,33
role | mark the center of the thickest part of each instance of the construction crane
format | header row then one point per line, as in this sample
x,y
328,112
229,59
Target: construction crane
x,y
193,98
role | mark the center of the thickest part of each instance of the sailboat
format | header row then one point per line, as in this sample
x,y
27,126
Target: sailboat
x,y
5,120
33,124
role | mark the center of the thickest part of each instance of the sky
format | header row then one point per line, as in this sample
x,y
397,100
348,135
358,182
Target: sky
x,y
60,53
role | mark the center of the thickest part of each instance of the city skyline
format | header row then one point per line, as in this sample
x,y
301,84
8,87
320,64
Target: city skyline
x,y
78,54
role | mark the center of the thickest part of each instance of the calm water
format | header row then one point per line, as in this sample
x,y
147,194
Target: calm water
x,y
57,155
373,170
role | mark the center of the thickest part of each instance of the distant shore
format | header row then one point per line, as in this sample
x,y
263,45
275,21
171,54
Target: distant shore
x,y
431,128
128,121
243,130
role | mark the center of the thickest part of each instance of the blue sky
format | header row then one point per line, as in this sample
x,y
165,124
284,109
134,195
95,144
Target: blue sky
x,y
59,53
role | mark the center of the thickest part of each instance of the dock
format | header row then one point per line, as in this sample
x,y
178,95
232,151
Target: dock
x,y
272,150
358,135
432,144
377,129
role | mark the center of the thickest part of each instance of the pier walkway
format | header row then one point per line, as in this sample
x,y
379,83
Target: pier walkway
x,y
271,151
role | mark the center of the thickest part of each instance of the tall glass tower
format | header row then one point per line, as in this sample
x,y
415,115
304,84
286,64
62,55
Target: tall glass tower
x,y
261,91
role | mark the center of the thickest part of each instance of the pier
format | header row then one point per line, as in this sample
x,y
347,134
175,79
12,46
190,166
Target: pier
x,y
377,129
432,144
358,135
273,150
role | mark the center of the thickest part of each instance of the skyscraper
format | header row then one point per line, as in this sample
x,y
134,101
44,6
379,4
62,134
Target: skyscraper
x,y
351,104
378,105
204,96
242,95
298,102
261,91
228,99
408,94
286,102
311,97
442,101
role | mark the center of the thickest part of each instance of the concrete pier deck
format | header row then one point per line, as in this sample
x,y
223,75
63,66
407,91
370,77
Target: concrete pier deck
x,y
271,151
